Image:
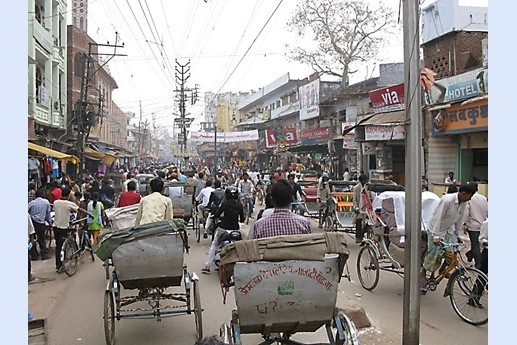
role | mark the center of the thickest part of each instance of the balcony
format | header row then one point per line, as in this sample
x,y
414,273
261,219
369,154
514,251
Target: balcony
x,y
42,36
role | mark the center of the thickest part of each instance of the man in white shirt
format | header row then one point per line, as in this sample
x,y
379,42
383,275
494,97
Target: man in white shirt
x,y
204,196
475,214
450,178
445,223
246,188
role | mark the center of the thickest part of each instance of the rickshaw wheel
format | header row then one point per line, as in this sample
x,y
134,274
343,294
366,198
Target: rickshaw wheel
x,y
329,224
109,318
368,268
198,311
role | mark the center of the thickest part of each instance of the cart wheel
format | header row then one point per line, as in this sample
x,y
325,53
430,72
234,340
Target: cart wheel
x,y
329,224
109,318
198,311
106,265
69,257
368,268
349,331
198,231
225,334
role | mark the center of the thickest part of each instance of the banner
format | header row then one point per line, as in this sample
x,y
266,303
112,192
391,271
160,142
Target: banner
x,y
309,100
459,118
378,133
225,137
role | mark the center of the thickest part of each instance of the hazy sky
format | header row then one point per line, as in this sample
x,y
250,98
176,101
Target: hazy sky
x,y
232,45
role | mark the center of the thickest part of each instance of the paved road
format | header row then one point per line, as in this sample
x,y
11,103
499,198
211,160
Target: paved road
x,y
73,309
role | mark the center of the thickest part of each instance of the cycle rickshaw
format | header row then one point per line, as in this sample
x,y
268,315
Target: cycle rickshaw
x,y
338,213
148,259
384,251
285,285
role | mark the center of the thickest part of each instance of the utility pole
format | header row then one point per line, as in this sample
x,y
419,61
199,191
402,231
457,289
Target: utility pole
x,y
182,75
140,135
413,211
85,114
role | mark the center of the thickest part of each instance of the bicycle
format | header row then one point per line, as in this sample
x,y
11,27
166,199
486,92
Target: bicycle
x,y
244,202
71,251
467,287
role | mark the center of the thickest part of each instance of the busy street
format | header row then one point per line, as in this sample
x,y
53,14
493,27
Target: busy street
x,y
214,172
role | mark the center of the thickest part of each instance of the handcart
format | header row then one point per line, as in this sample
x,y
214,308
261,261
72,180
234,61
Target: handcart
x,y
148,259
285,285
339,213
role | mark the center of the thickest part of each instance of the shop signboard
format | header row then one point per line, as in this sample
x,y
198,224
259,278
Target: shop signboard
x,y
346,126
309,100
349,142
380,133
459,118
387,99
459,87
314,136
287,136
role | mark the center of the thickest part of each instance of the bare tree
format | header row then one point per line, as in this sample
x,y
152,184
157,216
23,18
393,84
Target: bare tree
x,y
346,32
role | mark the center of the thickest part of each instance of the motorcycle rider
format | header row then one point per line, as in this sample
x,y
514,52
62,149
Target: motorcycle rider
x,y
232,213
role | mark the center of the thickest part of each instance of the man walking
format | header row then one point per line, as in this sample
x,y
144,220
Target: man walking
x,y
476,213
39,210
359,207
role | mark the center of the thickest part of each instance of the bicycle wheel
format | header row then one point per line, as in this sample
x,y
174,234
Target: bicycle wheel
x,y
69,254
246,213
328,224
469,295
260,196
88,245
109,318
197,310
368,268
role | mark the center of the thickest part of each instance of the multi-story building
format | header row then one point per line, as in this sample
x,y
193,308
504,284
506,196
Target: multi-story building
x,y
47,79
455,46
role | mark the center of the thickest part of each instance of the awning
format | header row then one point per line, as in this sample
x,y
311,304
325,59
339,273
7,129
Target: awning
x,y
394,117
106,157
53,153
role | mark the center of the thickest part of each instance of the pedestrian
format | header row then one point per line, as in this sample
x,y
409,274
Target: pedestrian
x,y
32,191
298,194
55,192
322,195
154,207
359,207
282,221
107,194
232,213
63,209
32,240
95,224
450,178
131,197
346,175
39,211
475,214
444,225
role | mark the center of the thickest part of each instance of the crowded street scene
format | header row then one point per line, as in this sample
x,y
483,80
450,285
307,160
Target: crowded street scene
x,y
305,205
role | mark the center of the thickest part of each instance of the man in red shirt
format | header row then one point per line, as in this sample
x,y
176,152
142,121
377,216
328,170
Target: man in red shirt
x,y
55,193
130,197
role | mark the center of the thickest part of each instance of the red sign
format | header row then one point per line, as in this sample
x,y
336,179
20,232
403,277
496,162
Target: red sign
x,y
386,99
289,137
314,136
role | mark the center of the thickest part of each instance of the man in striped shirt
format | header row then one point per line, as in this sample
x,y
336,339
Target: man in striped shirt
x,y
281,221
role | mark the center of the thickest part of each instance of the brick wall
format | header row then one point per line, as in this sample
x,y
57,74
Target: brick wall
x,y
454,53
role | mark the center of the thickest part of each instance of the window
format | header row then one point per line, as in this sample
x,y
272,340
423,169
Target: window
x,y
79,65
81,23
